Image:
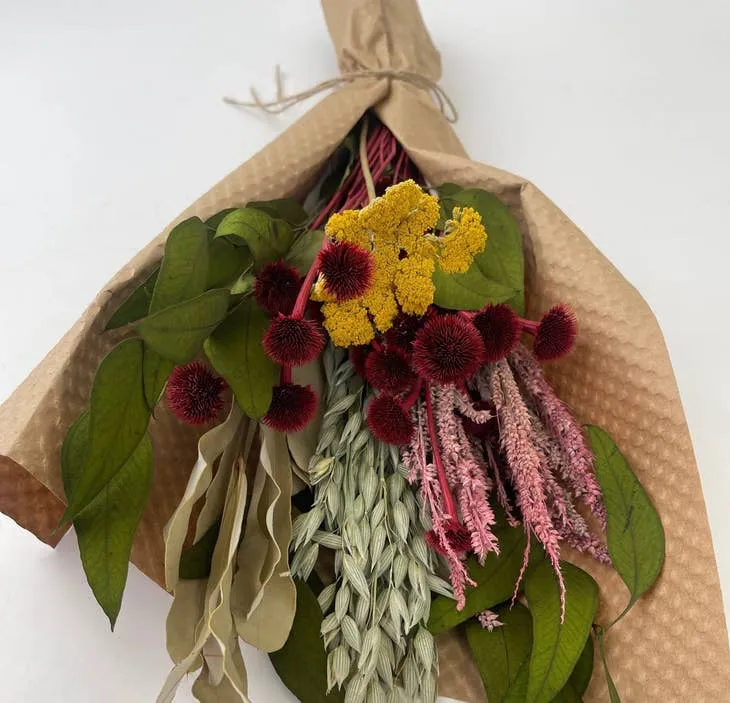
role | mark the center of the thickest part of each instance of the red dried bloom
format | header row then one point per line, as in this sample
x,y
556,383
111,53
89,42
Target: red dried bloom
x,y
292,407
500,329
388,370
403,331
556,333
448,349
194,393
276,288
293,341
358,357
347,269
388,421
457,535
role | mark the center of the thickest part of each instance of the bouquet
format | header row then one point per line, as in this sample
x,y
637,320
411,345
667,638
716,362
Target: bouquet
x,y
352,392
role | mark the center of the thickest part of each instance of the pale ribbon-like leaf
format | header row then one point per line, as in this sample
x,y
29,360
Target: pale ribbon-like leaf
x,y
264,596
302,444
210,446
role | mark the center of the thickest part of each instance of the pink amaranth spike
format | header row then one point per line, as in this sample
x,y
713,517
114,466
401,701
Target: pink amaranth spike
x,y
467,476
423,471
518,444
578,469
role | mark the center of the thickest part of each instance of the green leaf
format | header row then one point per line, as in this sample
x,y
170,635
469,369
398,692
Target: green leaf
x,y
236,353
244,284
634,532
583,672
227,262
497,274
214,220
567,694
302,663
286,209
556,646
503,655
155,372
136,305
182,275
177,332
495,583
268,239
118,417
105,528
195,560
304,250
184,266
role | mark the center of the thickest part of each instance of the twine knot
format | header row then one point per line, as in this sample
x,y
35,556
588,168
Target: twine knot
x,y
283,102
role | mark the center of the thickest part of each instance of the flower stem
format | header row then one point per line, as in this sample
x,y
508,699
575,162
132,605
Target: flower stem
x,y
303,296
364,165
410,399
285,376
443,482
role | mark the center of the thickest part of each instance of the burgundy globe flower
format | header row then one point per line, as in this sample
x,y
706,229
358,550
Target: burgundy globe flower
x,y
293,341
276,288
358,356
500,330
347,269
555,334
403,331
194,393
388,370
388,421
292,407
448,349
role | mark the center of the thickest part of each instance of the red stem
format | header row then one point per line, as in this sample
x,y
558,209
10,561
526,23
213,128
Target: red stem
x,y
301,302
285,376
448,498
410,399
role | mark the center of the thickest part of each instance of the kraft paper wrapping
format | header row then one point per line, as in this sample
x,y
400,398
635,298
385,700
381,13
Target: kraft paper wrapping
x,y
673,646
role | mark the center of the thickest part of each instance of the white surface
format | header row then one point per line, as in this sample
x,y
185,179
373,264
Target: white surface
x,y
111,123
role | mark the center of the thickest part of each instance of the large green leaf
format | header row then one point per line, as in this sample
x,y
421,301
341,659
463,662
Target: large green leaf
x,y
136,305
183,274
583,672
286,209
503,655
214,220
155,372
302,663
495,583
497,274
184,268
268,239
105,528
177,332
634,532
226,263
118,417
304,250
236,352
556,645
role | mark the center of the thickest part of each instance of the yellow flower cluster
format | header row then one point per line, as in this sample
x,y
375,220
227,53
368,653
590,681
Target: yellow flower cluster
x,y
397,230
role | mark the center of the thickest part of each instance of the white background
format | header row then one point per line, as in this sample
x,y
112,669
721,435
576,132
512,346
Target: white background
x,y
111,123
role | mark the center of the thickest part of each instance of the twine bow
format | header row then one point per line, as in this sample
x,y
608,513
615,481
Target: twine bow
x,y
283,102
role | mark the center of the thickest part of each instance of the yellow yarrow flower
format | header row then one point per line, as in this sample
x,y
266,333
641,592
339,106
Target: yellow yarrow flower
x,y
397,229
465,238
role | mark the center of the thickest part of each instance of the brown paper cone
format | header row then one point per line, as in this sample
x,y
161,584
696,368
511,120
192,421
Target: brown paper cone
x,y
673,646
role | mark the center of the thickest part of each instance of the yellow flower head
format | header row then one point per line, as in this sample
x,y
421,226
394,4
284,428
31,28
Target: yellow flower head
x,y
397,229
